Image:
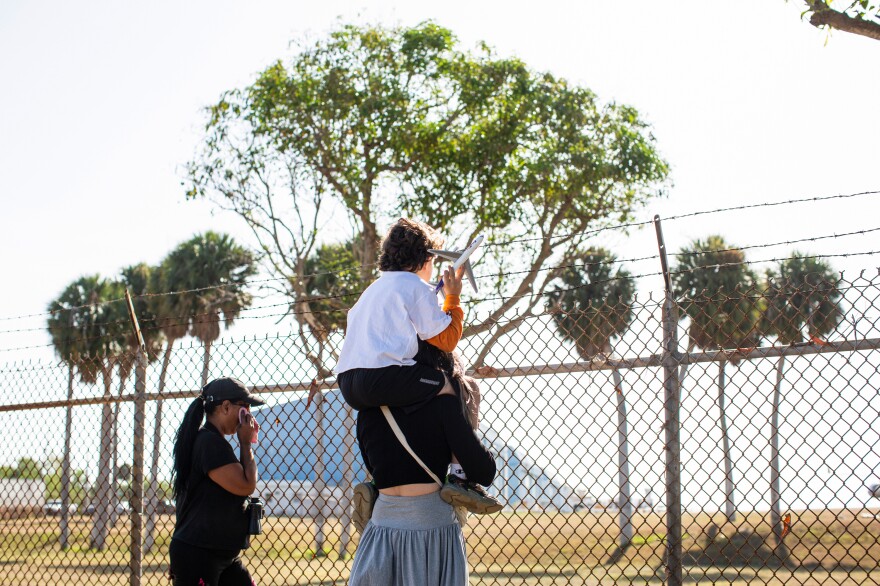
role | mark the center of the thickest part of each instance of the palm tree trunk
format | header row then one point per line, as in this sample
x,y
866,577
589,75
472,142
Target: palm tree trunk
x,y
624,500
348,425
102,497
65,466
775,500
114,480
319,485
206,365
682,370
729,506
153,491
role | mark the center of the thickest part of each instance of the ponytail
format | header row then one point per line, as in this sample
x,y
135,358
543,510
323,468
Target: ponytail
x,y
183,445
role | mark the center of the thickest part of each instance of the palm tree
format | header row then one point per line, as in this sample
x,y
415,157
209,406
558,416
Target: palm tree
x,y
717,292
591,305
211,271
803,302
170,315
200,280
87,336
135,279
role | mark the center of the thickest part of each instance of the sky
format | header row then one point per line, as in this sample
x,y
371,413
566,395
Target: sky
x,y
102,105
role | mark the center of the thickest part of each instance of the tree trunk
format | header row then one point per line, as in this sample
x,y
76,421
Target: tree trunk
x,y
729,506
102,497
319,485
153,490
348,459
775,499
624,499
114,481
682,370
64,538
206,365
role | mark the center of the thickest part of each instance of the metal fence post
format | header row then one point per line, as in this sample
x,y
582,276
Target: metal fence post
x,y
672,424
137,499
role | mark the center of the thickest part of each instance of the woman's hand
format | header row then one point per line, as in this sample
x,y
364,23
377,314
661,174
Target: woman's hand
x,y
247,429
452,280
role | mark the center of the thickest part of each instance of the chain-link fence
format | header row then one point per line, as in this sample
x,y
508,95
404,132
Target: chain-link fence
x,y
630,448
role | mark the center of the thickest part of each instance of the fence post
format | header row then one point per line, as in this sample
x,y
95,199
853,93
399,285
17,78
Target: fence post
x,y
137,481
672,424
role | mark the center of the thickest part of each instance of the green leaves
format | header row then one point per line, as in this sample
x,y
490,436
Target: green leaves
x,y
802,300
592,302
383,122
719,293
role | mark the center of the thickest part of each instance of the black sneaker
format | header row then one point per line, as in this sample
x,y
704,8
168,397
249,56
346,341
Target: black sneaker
x,y
470,495
365,495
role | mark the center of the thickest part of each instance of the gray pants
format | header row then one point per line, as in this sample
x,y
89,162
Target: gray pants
x,y
411,541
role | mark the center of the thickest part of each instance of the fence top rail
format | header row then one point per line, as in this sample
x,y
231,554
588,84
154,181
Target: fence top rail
x,y
598,363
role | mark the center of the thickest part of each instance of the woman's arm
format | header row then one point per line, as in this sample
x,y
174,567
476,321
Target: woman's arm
x,y
240,478
477,462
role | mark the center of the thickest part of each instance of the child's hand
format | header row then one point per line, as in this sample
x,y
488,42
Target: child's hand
x,y
452,281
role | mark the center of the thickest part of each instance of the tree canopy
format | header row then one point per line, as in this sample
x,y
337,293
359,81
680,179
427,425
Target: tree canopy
x,y
376,122
718,292
592,302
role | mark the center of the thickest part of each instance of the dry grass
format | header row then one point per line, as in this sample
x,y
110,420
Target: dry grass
x,y
838,547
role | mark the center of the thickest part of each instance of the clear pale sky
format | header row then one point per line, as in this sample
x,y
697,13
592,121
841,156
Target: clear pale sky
x,y
101,106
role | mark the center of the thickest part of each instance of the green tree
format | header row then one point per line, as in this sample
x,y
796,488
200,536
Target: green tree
x,y
859,17
172,316
379,122
210,273
591,305
717,292
89,337
802,303
135,279
207,275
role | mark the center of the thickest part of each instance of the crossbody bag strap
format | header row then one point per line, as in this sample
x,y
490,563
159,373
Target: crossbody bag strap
x,y
402,439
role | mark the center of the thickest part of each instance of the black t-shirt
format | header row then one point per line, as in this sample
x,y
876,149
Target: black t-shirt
x,y
434,432
208,515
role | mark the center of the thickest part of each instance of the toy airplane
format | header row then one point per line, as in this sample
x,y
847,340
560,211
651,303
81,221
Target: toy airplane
x,y
460,257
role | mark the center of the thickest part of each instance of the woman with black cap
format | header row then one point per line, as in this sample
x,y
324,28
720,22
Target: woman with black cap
x,y
211,486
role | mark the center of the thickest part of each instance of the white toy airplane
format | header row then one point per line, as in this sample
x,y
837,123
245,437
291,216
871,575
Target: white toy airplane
x,y
461,258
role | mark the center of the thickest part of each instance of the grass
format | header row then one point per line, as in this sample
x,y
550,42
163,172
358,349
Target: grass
x,y
839,547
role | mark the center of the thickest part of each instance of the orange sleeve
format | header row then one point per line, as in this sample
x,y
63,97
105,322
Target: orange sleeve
x,y
448,338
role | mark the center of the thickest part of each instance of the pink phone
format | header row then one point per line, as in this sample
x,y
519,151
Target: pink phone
x,y
241,413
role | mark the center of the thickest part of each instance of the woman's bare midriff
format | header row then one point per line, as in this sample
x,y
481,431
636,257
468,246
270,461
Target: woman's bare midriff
x,y
410,489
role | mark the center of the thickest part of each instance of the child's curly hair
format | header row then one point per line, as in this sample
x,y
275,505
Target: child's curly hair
x,y
405,247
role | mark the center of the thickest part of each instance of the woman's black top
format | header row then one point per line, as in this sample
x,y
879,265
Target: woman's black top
x,y
208,515
434,432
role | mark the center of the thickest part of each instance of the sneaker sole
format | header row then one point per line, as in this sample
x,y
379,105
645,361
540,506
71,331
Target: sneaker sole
x,y
474,506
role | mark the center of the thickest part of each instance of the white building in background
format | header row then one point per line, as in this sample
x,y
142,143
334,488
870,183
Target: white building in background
x,y
295,498
20,495
287,456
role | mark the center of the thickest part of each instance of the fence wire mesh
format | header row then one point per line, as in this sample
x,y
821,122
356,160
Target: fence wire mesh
x,y
779,428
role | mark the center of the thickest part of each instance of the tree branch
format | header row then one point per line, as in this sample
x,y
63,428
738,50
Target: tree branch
x,y
824,15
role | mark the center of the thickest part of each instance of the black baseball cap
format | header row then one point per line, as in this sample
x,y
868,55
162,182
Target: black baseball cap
x,y
229,389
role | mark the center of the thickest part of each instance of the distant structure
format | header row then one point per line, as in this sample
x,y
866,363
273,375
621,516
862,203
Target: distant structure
x,y
874,489
286,455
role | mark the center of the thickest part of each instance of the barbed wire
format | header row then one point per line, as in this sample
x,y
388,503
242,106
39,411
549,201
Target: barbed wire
x,y
192,318
483,276
583,232
470,302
